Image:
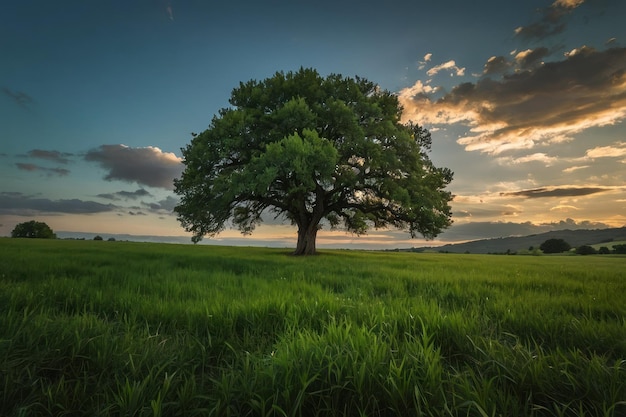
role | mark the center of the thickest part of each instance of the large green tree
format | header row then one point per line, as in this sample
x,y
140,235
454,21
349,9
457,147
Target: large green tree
x,y
33,229
317,151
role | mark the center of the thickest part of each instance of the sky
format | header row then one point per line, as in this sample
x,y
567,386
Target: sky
x,y
525,100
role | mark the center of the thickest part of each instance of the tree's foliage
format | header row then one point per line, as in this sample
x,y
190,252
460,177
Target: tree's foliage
x,y
585,250
620,249
315,151
555,246
33,229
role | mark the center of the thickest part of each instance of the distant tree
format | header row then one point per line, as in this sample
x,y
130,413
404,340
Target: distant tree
x,y
620,249
604,250
98,237
555,246
33,229
585,250
315,151
111,239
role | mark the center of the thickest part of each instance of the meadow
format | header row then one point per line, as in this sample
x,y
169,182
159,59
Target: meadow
x,y
96,328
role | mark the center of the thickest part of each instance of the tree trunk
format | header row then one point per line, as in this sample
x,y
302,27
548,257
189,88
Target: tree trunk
x,y
306,240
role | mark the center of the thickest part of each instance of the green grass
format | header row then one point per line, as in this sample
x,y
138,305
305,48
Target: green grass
x,y
135,329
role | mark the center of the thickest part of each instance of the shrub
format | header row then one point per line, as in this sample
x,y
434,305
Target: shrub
x,y
604,250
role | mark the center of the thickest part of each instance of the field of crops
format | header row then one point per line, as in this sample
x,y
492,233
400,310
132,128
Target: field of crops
x,y
135,329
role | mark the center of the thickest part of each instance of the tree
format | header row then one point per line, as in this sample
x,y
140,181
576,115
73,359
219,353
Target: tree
x,y
604,250
33,229
555,246
586,250
97,237
315,151
620,249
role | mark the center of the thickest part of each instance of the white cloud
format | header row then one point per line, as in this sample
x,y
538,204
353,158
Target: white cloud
x,y
616,151
568,4
536,157
575,168
450,65
422,64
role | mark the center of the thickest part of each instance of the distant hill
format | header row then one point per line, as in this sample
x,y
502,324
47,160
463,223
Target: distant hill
x,y
515,244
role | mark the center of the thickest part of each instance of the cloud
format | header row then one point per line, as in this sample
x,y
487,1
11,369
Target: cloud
x,y
147,166
551,20
555,192
50,171
20,98
132,195
496,65
536,157
23,205
422,64
573,224
54,156
165,206
564,208
574,168
527,59
531,57
450,65
546,104
615,151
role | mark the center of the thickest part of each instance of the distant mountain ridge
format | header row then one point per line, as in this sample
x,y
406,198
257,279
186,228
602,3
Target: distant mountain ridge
x,y
575,238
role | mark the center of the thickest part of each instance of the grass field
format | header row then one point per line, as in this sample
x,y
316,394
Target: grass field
x,y
135,329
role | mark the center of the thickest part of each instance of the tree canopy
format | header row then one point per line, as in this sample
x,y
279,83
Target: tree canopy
x,y
316,151
33,229
555,246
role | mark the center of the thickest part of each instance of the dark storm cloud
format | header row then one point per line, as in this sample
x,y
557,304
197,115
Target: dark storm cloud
x,y
23,205
49,171
540,105
132,195
20,98
555,192
54,156
551,21
147,166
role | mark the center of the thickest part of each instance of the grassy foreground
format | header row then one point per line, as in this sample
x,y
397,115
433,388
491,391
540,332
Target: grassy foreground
x,y
134,329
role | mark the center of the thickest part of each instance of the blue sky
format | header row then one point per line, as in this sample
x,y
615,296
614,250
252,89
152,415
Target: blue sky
x,y
525,101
